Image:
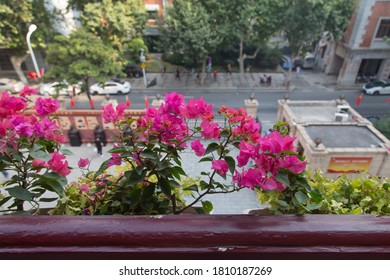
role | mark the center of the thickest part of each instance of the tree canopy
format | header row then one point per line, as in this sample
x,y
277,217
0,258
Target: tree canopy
x,y
80,57
306,20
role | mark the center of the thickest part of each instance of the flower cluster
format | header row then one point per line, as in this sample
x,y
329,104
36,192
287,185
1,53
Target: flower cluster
x,y
263,162
30,142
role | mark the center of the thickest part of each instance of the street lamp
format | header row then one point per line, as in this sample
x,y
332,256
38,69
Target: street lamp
x,y
31,29
142,59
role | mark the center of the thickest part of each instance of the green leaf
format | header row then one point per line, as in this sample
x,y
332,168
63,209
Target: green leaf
x,y
283,178
40,155
193,187
66,152
301,197
205,159
20,193
48,199
165,187
133,177
211,148
117,150
148,191
149,154
207,206
231,164
102,168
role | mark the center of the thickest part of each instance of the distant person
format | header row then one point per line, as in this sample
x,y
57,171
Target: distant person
x,y
108,101
229,69
298,70
99,146
177,76
198,77
215,74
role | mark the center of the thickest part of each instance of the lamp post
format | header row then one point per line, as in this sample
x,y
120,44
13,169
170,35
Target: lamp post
x,y
142,59
31,29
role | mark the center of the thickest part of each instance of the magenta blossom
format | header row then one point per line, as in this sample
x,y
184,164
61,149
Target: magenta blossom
x,y
46,106
220,166
84,188
113,115
24,129
27,91
39,164
115,160
83,162
210,130
58,165
198,148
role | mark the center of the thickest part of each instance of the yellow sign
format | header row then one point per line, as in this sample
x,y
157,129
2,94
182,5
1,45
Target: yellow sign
x,y
349,164
143,65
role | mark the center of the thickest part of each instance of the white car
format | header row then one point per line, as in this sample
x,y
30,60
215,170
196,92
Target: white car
x,y
111,87
377,87
10,85
58,88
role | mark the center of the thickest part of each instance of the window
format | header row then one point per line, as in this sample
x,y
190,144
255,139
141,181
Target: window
x,y
383,29
152,10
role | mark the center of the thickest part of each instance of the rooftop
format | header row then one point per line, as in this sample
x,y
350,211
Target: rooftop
x,y
344,136
315,111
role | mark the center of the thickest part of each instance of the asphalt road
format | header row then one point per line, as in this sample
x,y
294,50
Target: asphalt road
x,y
370,105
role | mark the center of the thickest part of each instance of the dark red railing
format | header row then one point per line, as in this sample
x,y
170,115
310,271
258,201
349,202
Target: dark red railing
x,y
195,237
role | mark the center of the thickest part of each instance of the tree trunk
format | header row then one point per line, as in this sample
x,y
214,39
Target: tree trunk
x,y
17,64
242,57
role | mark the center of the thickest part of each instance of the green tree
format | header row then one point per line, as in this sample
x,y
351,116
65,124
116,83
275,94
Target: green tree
x,y
81,57
190,29
115,21
15,18
383,126
306,20
250,22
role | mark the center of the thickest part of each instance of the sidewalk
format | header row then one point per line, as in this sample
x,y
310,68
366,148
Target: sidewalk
x,y
306,80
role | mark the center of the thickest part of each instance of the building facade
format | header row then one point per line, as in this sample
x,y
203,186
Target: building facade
x,y
335,138
363,52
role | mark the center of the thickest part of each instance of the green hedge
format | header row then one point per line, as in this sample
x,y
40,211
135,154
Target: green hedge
x,y
363,194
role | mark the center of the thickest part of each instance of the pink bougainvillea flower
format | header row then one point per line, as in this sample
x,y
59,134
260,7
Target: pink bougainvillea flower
x,y
9,105
220,166
273,184
197,108
114,160
210,130
39,163
198,148
294,164
24,129
254,177
27,91
83,162
58,164
46,106
84,188
113,115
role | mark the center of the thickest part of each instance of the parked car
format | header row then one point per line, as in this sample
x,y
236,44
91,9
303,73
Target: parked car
x,y
10,85
111,87
133,71
60,88
377,87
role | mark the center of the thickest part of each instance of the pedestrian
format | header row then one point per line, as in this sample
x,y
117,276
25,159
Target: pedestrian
x,y
215,74
298,70
198,77
99,146
229,69
177,76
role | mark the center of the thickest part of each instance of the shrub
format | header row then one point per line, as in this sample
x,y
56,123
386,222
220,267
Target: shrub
x,y
365,194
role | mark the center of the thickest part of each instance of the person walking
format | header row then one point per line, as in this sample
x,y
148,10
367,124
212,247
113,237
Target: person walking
x,y
215,74
229,69
177,76
99,146
198,77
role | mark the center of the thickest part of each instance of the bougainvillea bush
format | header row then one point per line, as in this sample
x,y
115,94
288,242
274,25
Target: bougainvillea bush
x,y
30,151
151,183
